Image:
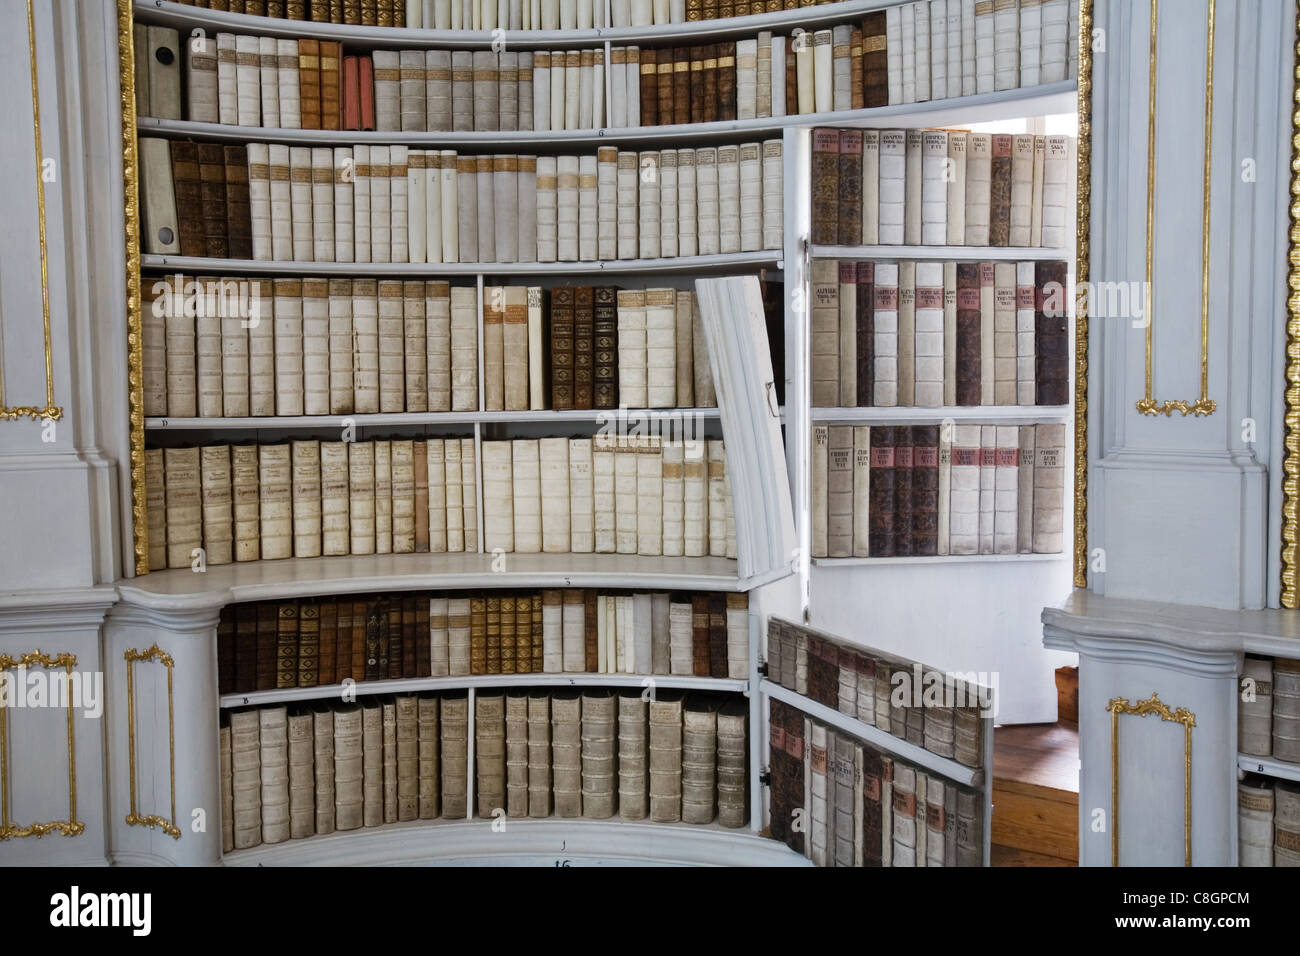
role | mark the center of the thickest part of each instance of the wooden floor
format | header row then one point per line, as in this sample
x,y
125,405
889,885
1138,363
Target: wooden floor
x,y
1036,795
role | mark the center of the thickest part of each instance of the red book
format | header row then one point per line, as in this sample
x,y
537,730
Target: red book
x,y
366,91
352,92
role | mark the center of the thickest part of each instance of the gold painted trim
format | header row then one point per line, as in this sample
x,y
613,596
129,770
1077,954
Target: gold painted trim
x,y
134,818
50,411
1291,454
1204,405
1152,705
134,320
1082,267
72,826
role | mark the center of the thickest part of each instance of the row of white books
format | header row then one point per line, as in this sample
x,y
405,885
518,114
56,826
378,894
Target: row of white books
x,y
245,502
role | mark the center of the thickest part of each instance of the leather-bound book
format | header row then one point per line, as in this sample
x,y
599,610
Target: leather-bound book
x,y
516,754
970,829
244,676
348,768
360,618
376,623
562,342
649,88
537,637
413,642
633,757
925,489
1286,717
226,651
605,348
664,86
849,188
566,753
267,667
342,644
695,84
331,113
731,764
1000,191
883,498
238,226
726,81
302,782
506,628
427,760
286,645
717,635
402,796
590,626
665,736
700,634
583,346
478,635
524,634
227,763
489,753
826,186
246,782
454,725
1051,334
711,111
187,184
865,333
1254,710
390,646
968,333
327,653
875,60
681,87
872,786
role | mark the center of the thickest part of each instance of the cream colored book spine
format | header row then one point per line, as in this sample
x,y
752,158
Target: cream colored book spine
x,y
515,354
348,768
365,356
1049,488
207,352
673,502
454,472
552,631
427,734
729,214
771,192
607,203
339,323
526,474
779,105
156,507
372,763
316,346
929,335
268,85
283,247
1025,491
244,495
273,734
259,200
632,344
750,197
227,72
407,756
248,63
388,204
494,309
246,782
417,203
572,620
661,350
922,61
708,201
432,206
361,496
437,310
934,187
582,536
1022,189
687,198
717,499
649,216
547,209
1036,193
1056,180
553,456
217,514
322,204
306,493
846,331
819,494
979,172
649,496
454,726
334,498
485,209
498,497
625,497
179,334
383,496
458,636
1025,327
950,333
603,493
275,485
227,790
435,457
955,178
669,230
402,509
464,348
1005,488
526,234
288,347
628,210
415,335
300,202
695,498
988,333
361,213
841,67
892,186
302,777
907,333
683,343
200,76
438,645
988,486
505,210
450,207
885,333
392,347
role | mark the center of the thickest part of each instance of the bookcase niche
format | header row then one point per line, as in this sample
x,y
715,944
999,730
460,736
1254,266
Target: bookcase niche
x,y
637,185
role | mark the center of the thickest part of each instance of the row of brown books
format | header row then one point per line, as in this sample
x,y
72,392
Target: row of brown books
x,y
276,644
843,803
294,772
920,490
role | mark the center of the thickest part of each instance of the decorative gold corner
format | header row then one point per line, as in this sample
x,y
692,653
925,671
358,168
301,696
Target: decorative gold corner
x,y
1152,705
72,826
134,818
50,411
1291,417
1203,405
134,320
1082,267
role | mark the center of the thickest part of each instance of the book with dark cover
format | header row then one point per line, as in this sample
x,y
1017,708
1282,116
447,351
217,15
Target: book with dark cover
x,y
794,750
478,635
881,540
696,84
492,643
267,645
508,633
717,635
420,469
308,643
664,86
873,769
727,81
239,224
562,319
591,651
187,186
523,634
792,76
411,638
968,333
700,634
360,628
376,626
390,648
537,632
226,651
649,88
245,648
850,188
925,489
343,642
875,60
903,444
326,660
331,54
286,646
711,83
605,348
826,186
584,344
309,99
866,329
681,87
1051,335
1000,191
780,772
212,194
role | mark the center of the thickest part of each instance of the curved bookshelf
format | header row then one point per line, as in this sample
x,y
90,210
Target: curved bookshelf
x,y
544,417
983,107
503,681
181,589
961,253
529,842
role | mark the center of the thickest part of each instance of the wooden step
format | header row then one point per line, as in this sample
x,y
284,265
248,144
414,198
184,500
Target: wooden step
x,y
1036,794
1036,819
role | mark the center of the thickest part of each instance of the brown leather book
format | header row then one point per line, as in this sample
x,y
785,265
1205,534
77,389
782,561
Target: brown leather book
x,y
537,632
605,345
327,657
350,92
376,640
866,329
212,194
711,112
492,632
188,189
872,788
968,333
855,69
649,88
318,11
1000,191
388,13
309,83
478,635
794,749
781,770
352,12
411,638
903,445
1051,335
245,648
791,79
850,188
681,85
420,635
591,652
420,454
696,82
700,634
826,186
366,82
726,8
267,645
664,71
369,13
881,539
694,10
308,643
343,644
360,618
709,9
925,489
275,8
727,81
524,634
394,642
286,646
717,635
331,110
239,225
508,646
875,60
584,322
562,319
226,651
